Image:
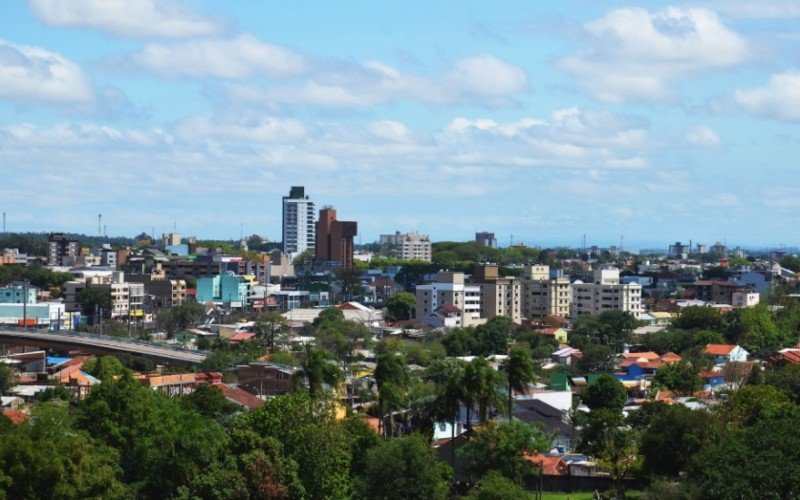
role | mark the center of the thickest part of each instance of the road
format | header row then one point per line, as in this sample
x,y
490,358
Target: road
x,y
100,344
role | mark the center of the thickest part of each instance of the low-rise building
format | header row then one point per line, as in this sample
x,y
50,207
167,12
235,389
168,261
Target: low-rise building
x,y
223,289
18,293
606,293
450,289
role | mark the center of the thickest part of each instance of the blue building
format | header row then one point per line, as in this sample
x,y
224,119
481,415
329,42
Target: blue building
x,y
17,293
223,289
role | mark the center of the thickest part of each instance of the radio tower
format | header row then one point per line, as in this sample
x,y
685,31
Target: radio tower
x,y
99,224
621,243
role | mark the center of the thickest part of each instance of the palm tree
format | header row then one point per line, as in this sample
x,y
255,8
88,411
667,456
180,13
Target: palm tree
x,y
392,368
320,367
451,392
482,384
392,377
519,373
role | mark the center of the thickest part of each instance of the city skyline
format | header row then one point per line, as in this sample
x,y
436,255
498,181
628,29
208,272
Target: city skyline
x,y
545,122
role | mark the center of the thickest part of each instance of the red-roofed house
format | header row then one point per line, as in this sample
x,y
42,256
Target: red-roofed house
x,y
16,416
559,334
551,466
725,353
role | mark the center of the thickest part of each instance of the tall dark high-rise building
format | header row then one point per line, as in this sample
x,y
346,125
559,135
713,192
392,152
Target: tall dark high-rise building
x,y
298,221
486,239
335,238
59,247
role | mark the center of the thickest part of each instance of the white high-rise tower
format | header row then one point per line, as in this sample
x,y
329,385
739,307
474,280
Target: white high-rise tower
x,y
299,231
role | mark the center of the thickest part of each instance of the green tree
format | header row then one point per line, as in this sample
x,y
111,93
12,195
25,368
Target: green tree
x,y
700,318
492,336
272,328
519,373
94,300
209,401
320,367
494,486
326,316
682,378
755,330
605,393
404,468
460,342
672,437
450,392
6,379
786,380
753,403
308,443
107,367
162,446
762,461
45,457
401,306
481,388
597,358
502,448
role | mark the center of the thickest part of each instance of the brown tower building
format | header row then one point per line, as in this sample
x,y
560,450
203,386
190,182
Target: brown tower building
x,y
335,238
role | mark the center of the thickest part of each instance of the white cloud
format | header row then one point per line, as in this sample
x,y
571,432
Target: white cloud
x,y
33,73
389,130
259,130
703,136
126,18
763,9
724,200
778,99
481,79
241,57
636,55
486,75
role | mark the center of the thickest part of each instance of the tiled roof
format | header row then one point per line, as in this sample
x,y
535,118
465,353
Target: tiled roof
x,y
649,355
718,349
16,416
240,396
552,466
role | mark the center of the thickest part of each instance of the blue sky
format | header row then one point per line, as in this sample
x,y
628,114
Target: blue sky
x,y
661,121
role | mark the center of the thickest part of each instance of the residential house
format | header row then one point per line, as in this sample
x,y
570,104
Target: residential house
x,y
724,353
567,356
265,378
553,422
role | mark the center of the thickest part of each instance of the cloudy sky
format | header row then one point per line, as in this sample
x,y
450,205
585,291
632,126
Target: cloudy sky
x,y
533,119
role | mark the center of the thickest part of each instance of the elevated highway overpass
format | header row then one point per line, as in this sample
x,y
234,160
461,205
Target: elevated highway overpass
x,y
100,344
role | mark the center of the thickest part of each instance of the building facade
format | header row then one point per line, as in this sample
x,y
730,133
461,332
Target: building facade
x,y
543,294
335,239
18,293
606,293
450,289
486,239
499,296
223,289
299,231
59,248
407,246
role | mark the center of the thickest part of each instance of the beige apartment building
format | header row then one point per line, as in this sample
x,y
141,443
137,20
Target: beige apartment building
x,y
606,293
408,246
450,289
544,296
499,296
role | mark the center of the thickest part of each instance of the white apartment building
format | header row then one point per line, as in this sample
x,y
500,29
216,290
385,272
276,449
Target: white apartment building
x,y
542,295
408,246
450,289
606,293
299,229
